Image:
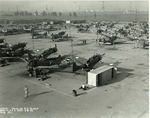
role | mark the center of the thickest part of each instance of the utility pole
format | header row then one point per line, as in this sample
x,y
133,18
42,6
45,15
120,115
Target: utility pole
x,y
103,7
33,43
72,48
136,14
130,3
69,26
46,9
95,15
17,10
85,15
71,41
32,33
79,10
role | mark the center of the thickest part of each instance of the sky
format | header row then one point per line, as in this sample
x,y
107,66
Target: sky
x,y
73,5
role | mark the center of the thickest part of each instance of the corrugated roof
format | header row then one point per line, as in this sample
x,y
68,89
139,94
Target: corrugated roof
x,y
101,69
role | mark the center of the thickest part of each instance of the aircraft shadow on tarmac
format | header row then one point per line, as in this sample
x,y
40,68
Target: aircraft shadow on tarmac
x,y
147,48
32,96
112,47
80,44
122,73
81,93
123,43
14,60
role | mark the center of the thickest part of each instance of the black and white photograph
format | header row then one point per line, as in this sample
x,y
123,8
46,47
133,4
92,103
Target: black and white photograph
x,y
74,58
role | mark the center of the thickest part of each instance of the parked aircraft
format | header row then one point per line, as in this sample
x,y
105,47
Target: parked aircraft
x,y
89,64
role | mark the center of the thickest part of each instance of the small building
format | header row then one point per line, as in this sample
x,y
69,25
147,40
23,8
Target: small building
x,y
101,75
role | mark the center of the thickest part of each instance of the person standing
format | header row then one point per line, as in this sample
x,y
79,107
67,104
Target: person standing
x,y
26,91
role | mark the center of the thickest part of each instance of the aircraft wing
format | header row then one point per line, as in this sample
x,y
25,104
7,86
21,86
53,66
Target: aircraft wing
x,y
80,60
14,58
41,32
8,57
47,67
120,40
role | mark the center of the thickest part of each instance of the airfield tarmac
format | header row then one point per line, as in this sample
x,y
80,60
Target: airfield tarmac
x,y
127,97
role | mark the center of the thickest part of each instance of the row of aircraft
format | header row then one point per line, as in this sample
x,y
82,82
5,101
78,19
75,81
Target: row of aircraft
x,y
36,63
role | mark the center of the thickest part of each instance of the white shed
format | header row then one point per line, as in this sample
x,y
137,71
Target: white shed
x,y
101,75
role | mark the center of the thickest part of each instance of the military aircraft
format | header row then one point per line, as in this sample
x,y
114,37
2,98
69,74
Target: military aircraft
x,y
112,38
8,52
83,29
89,64
44,54
18,45
61,36
2,40
53,64
51,28
39,33
3,44
36,64
42,61
123,32
146,43
27,28
3,62
99,31
108,38
58,35
12,31
16,50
